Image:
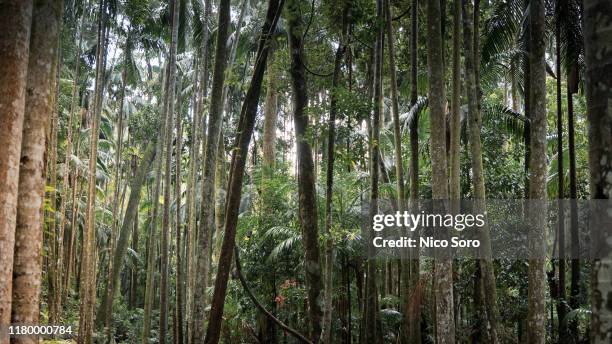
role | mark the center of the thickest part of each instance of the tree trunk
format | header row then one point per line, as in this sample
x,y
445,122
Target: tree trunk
x,y
270,114
371,328
105,311
179,306
15,19
170,91
87,289
39,110
413,322
488,316
598,58
331,138
536,318
207,219
239,156
151,238
455,119
306,177
68,156
198,139
561,302
445,323
574,229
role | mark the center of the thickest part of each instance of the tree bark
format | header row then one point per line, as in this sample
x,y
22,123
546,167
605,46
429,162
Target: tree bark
x,y
68,156
179,306
331,144
170,91
270,114
207,219
455,118
105,311
371,328
306,175
15,20
87,289
561,302
151,238
536,318
488,316
414,325
39,109
239,156
445,323
598,58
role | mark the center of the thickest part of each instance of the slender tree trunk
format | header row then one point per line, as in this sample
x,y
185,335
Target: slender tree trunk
x,y
105,312
561,302
399,165
455,119
68,156
489,312
445,323
239,156
536,319
15,20
270,114
306,177
39,109
199,138
179,306
207,219
414,320
87,290
331,138
372,332
574,229
598,58
54,236
170,91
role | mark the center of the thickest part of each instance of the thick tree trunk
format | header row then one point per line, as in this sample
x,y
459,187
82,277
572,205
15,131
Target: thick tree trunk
x,y
39,110
15,20
536,319
598,58
165,247
488,316
306,177
239,156
445,323
87,289
207,217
